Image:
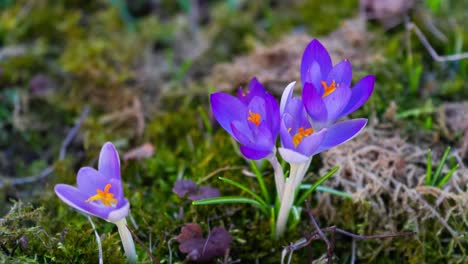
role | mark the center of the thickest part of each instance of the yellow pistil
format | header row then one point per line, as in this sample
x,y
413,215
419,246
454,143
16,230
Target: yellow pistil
x,y
254,118
328,89
105,196
301,134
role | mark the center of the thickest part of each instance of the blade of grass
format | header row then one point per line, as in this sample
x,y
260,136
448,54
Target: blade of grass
x,y
245,189
429,168
335,192
261,182
447,176
231,199
441,165
316,184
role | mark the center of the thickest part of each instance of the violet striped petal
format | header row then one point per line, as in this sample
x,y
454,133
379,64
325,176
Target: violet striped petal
x,y
314,104
227,108
287,94
242,133
335,103
254,154
315,52
309,144
89,180
286,138
341,133
273,114
109,162
360,93
341,73
76,199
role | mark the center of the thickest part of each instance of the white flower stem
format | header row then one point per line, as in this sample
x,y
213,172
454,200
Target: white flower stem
x,y
98,240
296,175
127,240
279,175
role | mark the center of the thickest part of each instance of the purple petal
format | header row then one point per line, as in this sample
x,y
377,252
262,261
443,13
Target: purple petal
x,y
227,108
286,138
109,162
336,102
119,212
360,93
89,180
314,104
257,106
309,144
242,133
287,94
273,114
292,156
315,52
118,192
342,132
254,154
255,88
76,199
341,73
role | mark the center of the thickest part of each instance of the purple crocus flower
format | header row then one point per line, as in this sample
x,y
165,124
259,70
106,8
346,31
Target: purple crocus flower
x,y
252,118
99,192
327,91
328,96
299,140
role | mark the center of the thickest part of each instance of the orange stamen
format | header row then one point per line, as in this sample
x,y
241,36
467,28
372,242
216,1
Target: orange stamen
x,y
328,89
299,136
105,196
254,118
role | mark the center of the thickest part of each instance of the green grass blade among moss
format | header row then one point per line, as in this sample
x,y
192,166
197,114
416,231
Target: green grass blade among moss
x,y
316,184
244,188
231,199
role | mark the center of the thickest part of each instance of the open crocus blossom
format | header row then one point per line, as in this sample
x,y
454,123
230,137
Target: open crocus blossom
x,y
327,92
299,140
252,118
100,194
299,143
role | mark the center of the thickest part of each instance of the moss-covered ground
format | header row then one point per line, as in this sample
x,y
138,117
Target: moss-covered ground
x,y
144,69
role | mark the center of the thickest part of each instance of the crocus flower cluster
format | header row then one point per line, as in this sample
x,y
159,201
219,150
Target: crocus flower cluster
x,y
307,125
100,194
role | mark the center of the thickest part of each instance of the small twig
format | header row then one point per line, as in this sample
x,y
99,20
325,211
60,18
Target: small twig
x,y
410,26
153,258
72,133
353,251
319,231
98,240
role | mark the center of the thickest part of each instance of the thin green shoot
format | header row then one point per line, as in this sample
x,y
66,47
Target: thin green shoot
x,y
429,168
245,189
435,178
316,184
441,165
261,181
232,199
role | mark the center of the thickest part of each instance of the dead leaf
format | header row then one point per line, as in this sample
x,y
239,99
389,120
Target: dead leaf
x,y
201,249
141,152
